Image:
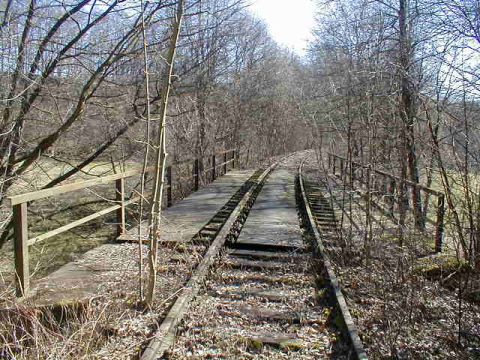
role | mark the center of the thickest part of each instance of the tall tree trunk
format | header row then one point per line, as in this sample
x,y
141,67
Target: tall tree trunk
x,y
161,157
408,109
146,154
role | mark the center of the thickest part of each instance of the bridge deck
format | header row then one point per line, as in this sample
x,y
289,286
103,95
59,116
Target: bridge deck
x,y
183,220
80,279
273,218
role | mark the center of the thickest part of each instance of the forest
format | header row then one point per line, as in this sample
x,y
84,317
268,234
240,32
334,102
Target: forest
x,y
384,103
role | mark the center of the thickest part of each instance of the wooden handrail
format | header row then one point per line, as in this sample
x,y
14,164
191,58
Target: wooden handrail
x,y
406,181
20,203
79,185
440,215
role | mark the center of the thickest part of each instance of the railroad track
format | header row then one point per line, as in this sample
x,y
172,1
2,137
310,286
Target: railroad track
x,y
319,214
262,297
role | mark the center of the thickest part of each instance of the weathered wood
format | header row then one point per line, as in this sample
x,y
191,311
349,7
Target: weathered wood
x,y
439,226
265,255
21,248
265,314
169,186
163,337
19,203
196,175
225,163
79,222
273,218
181,222
214,170
63,189
281,340
120,197
350,328
274,295
239,263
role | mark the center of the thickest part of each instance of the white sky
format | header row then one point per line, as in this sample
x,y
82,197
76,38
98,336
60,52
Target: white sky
x,y
290,22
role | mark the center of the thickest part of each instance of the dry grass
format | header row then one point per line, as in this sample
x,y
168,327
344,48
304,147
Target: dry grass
x,y
399,312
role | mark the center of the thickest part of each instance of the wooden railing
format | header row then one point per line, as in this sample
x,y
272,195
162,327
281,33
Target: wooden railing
x,y
20,204
385,184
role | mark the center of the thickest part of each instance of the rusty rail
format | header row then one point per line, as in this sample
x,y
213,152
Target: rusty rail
x,y
20,204
386,184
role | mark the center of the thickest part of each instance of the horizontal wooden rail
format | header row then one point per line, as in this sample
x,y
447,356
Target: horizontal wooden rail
x,y
63,189
79,185
391,176
20,203
389,189
79,222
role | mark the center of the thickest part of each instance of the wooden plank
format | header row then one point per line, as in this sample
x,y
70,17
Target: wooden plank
x,y
214,172
196,175
224,163
164,336
265,255
120,197
439,224
79,222
281,340
273,221
406,181
169,187
267,314
336,289
63,189
240,263
21,249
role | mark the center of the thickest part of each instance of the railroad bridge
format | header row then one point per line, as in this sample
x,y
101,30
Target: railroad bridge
x,y
241,257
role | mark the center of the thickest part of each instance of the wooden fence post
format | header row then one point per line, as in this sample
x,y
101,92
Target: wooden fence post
x,y
440,223
224,163
391,195
234,158
169,186
20,244
196,174
334,164
214,166
120,197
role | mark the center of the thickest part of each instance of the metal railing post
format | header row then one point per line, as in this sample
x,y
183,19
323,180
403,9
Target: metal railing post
x,y
120,198
20,244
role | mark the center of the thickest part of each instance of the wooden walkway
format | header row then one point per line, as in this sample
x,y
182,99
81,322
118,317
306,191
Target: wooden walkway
x,y
257,297
183,220
258,304
79,280
273,219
